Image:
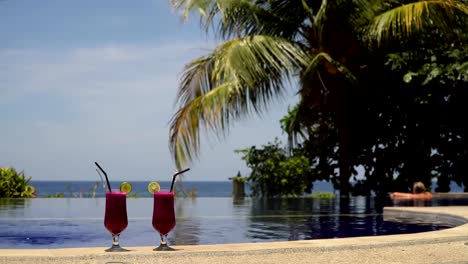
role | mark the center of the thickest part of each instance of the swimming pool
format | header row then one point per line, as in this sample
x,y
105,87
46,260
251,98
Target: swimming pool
x,y
75,222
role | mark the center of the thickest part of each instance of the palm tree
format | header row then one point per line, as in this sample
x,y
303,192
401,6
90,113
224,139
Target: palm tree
x,y
323,45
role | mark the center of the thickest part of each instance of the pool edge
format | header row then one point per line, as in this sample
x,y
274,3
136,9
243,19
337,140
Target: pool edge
x,y
449,213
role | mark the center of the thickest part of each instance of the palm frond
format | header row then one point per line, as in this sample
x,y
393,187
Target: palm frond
x,y
415,16
319,20
317,60
185,137
246,17
239,77
294,125
204,7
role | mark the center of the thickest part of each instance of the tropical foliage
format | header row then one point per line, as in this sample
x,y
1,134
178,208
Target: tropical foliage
x,y
276,172
14,184
433,97
323,196
335,51
411,129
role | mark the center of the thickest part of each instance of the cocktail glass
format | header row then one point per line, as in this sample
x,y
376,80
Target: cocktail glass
x,y
163,217
115,218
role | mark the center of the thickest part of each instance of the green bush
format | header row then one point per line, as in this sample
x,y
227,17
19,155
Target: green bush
x,y
323,195
56,195
276,171
14,184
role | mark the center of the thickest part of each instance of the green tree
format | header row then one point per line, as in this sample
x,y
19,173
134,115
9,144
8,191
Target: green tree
x,y
14,184
409,129
324,45
434,83
276,172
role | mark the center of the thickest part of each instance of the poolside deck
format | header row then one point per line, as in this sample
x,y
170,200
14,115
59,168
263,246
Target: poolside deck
x,y
444,246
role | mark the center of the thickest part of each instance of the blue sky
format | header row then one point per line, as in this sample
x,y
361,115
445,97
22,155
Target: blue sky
x,y
84,81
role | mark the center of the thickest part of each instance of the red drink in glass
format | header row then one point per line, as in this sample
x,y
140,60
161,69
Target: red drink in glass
x,y
163,212
115,218
164,216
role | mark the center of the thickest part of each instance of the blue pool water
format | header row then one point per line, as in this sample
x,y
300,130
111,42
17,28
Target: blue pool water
x,y
74,222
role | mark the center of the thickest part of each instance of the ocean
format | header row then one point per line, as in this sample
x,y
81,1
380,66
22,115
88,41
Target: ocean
x,y
91,189
85,189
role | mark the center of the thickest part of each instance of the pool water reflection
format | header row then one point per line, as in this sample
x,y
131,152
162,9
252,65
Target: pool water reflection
x,y
74,222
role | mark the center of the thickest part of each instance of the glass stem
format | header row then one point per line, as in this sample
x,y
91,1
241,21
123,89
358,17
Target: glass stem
x,y
115,240
163,240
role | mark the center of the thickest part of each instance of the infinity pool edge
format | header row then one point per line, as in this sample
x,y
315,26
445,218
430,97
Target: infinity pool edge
x,y
458,214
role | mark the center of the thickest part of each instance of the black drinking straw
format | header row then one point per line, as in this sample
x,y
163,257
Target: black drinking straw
x,y
174,176
105,174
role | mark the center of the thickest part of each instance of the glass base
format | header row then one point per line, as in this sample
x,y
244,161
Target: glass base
x,y
115,245
164,247
116,248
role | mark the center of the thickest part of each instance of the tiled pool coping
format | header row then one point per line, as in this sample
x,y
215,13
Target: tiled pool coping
x,y
428,247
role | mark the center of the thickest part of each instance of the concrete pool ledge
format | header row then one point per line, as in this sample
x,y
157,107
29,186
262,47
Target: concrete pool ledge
x,y
444,246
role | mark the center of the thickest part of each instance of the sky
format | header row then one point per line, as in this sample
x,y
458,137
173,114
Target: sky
x,y
85,81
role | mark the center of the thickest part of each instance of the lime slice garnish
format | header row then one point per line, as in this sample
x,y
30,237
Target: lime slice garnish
x,y
153,187
125,187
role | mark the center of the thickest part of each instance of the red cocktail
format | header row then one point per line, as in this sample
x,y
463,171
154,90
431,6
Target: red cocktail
x,y
115,219
163,216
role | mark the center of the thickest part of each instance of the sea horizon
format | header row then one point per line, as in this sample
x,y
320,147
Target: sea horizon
x,y
89,188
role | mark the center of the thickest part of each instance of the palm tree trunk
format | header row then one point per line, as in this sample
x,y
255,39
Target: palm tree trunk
x,y
343,125
338,102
